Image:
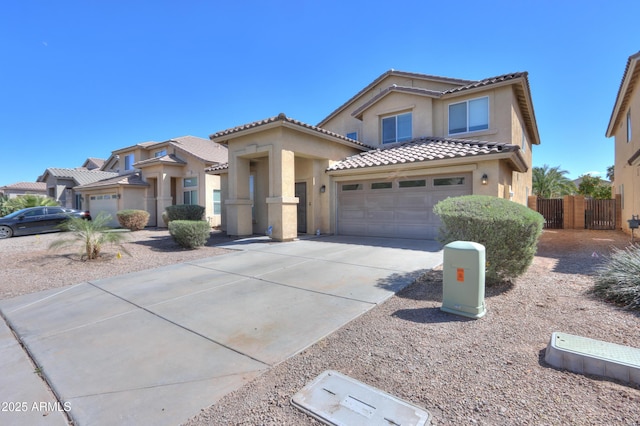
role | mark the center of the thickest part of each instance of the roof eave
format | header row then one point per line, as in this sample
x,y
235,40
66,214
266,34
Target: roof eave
x,y
515,158
630,74
360,111
381,78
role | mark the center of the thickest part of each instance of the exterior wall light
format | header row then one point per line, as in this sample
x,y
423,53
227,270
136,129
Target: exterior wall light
x,y
323,189
485,179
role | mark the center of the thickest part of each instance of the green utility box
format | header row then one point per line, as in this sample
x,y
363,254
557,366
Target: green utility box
x,y
463,279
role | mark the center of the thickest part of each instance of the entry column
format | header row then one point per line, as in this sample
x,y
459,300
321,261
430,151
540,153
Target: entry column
x,y
282,202
239,221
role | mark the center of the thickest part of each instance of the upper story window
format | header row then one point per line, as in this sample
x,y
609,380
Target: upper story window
x,y
524,142
353,135
469,116
128,161
190,182
396,128
160,153
629,126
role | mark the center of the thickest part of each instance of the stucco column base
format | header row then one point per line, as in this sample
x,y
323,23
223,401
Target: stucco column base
x,y
239,222
282,215
162,203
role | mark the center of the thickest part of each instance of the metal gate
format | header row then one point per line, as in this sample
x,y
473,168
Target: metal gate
x,y
552,209
599,214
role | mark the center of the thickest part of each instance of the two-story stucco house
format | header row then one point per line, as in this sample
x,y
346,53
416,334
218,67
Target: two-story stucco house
x,y
154,175
376,165
60,183
624,126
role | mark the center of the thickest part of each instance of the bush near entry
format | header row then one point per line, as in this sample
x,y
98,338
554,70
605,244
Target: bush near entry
x,y
508,231
184,212
190,233
133,220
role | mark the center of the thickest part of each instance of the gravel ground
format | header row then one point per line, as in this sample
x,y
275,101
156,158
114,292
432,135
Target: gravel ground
x,y
27,265
487,371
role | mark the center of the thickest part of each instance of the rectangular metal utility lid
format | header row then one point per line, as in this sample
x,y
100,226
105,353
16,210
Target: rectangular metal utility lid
x,y
336,399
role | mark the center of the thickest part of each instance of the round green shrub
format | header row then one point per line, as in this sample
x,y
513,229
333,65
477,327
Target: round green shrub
x,y
509,231
190,233
184,212
133,220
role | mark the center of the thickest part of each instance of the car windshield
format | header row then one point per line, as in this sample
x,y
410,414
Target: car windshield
x,y
14,214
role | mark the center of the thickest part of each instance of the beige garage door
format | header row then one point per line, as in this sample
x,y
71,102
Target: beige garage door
x,y
399,207
107,203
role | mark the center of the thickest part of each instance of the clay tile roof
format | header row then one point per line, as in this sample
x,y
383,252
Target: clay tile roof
x,y
26,186
486,82
420,150
80,175
629,80
133,179
283,118
218,168
204,149
165,159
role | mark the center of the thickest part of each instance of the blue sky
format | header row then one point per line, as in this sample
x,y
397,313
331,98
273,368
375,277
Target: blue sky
x,y
81,78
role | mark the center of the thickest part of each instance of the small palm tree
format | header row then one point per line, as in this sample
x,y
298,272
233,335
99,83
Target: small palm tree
x,y
91,234
28,200
551,182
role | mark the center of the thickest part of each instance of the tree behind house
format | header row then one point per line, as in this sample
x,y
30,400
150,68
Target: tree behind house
x,y
551,182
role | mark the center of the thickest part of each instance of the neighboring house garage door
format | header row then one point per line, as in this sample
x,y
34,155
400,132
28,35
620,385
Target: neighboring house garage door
x,y
400,207
107,203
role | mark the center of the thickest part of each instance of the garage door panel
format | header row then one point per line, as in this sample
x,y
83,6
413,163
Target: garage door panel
x,y
380,215
401,211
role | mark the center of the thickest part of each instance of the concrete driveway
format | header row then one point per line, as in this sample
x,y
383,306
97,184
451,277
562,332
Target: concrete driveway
x,y
154,347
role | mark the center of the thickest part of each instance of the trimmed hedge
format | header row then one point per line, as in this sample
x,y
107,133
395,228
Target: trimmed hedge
x,y
184,212
508,231
134,220
190,233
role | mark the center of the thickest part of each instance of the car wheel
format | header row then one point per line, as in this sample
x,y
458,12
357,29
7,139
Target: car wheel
x,y
5,231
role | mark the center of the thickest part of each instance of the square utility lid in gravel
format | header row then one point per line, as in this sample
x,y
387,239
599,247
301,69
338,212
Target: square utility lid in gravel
x,y
336,399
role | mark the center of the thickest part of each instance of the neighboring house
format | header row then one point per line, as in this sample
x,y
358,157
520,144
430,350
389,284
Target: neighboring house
x,y
24,188
154,175
60,183
377,164
624,125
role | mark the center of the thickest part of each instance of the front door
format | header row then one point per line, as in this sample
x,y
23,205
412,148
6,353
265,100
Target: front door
x,y
301,193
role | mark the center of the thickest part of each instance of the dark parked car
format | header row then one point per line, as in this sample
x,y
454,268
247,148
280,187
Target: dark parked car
x,y
37,220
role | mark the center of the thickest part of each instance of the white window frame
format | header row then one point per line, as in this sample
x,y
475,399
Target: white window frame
x,y
398,137
352,133
467,102
160,153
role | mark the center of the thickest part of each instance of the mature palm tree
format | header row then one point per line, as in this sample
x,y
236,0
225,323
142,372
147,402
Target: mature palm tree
x,y
551,182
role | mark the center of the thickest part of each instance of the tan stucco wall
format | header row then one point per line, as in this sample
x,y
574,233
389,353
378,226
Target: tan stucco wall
x,y
279,157
628,176
344,123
